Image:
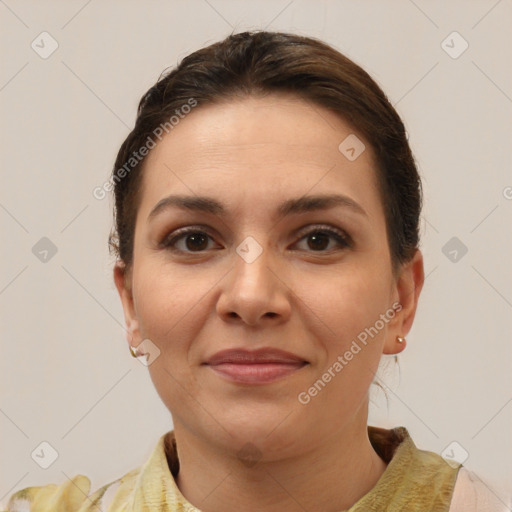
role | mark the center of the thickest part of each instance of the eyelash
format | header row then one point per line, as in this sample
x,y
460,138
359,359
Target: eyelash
x,y
342,238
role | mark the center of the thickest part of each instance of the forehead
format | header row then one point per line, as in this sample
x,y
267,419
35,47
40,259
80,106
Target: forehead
x,y
278,121
259,150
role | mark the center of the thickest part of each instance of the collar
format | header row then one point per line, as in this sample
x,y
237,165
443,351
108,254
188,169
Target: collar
x,y
414,480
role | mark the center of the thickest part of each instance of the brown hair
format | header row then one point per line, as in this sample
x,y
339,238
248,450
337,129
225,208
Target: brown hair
x,y
260,62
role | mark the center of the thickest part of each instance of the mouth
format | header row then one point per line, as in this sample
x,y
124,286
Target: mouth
x,y
261,366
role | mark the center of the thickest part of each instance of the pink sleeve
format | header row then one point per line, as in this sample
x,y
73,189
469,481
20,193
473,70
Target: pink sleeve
x,y
471,494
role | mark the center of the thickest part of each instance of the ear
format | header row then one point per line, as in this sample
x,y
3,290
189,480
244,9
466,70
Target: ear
x,y
123,282
407,290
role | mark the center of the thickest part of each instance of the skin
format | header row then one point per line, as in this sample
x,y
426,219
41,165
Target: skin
x,y
252,154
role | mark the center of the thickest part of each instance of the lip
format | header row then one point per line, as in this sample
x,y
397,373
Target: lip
x,y
260,366
259,356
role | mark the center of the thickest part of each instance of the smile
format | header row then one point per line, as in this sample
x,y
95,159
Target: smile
x,y
256,373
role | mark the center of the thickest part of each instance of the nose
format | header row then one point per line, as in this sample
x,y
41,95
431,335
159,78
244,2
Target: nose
x,y
253,293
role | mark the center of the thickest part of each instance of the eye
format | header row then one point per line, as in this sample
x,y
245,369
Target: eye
x,y
319,237
195,240
191,239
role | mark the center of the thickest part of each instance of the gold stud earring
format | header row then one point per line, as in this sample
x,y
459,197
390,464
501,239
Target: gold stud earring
x,y
400,339
134,352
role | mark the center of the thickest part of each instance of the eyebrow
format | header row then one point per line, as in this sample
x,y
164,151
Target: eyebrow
x,y
302,204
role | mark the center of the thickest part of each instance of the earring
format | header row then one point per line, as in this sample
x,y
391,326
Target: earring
x,y
135,352
400,339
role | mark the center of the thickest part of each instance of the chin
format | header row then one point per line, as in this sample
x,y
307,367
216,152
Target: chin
x,y
268,426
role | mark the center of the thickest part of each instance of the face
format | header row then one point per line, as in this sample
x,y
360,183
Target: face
x,y
310,278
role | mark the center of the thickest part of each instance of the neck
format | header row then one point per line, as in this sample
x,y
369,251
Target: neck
x,y
333,475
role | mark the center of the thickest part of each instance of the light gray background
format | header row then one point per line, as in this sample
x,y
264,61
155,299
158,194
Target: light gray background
x,y
67,376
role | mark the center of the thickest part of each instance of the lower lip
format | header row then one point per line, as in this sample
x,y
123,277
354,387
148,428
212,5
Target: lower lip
x,y
255,373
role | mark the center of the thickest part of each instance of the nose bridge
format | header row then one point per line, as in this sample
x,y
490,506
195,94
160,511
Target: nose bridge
x,y
251,275
252,291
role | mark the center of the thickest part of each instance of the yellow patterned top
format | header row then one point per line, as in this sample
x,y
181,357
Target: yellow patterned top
x,y
414,481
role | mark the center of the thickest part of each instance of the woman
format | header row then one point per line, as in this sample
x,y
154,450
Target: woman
x,y
267,207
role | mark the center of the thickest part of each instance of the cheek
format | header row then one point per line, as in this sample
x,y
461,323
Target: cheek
x,y
342,316
167,304
348,302
168,307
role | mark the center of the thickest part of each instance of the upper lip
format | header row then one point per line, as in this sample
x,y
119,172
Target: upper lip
x,y
262,355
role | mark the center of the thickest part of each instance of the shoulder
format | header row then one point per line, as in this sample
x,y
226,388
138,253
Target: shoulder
x,y
471,494
73,495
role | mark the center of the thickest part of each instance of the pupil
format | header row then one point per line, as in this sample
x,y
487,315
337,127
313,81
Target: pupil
x,y
198,241
197,238
319,237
